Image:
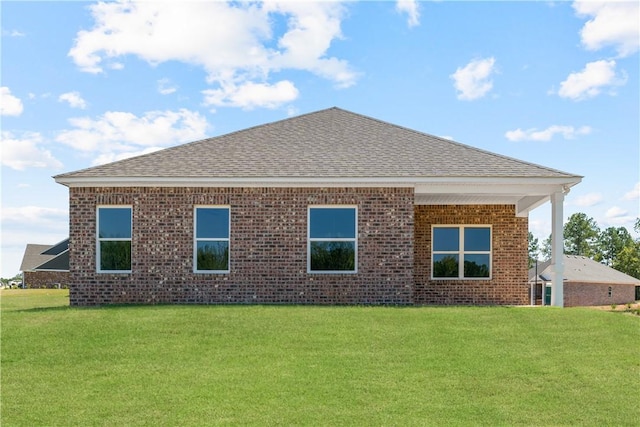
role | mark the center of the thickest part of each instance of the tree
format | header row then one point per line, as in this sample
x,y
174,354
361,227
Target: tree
x,y
546,248
628,260
581,235
611,242
534,249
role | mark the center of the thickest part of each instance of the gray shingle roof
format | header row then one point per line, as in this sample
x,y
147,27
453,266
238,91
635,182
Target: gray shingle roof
x,y
331,143
46,257
580,269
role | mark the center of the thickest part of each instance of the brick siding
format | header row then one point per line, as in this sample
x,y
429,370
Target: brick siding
x,y
268,247
508,284
585,294
46,279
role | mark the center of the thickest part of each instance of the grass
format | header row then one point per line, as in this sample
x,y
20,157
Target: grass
x,y
292,365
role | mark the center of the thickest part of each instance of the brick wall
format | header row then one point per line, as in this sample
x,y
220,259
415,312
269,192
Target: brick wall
x,y
508,284
46,279
268,246
585,294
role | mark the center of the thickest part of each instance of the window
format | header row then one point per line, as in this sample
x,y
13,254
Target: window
x,y
461,252
332,239
211,243
114,239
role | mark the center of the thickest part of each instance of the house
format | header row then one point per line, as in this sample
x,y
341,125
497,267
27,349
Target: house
x,y
46,266
587,282
330,207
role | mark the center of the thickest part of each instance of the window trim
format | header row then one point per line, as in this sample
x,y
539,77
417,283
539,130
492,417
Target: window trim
x,y
196,239
461,252
100,240
337,239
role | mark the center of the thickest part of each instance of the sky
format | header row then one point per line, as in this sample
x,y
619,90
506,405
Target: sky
x,y
85,83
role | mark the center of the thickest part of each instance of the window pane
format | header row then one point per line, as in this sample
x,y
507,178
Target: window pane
x,y
477,239
332,222
114,223
476,265
333,256
212,256
446,239
445,265
115,256
212,223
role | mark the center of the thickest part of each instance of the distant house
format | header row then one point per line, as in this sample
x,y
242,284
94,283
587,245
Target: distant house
x,y
586,283
330,207
46,266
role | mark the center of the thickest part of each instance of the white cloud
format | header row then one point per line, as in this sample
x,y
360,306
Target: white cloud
x,y
567,132
115,132
616,216
13,33
233,42
473,80
633,194
29,215
9,104
74,99
24,151
165,87
410,7
588,200
251,95
592,80
612,23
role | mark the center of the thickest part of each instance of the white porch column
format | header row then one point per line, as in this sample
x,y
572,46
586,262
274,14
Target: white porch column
x,y
557,250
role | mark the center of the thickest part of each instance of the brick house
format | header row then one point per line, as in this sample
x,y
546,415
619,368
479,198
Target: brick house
x,y
588,282
329,207
45,266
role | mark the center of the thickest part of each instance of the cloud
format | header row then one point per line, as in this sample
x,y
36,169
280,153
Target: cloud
x,y
22,152
567,132
116,133
612,23
588,200
74,99
9,104
633,194
616,216
472,81
251,95
165,87
592,80
410,7
33,214
13,33
235,43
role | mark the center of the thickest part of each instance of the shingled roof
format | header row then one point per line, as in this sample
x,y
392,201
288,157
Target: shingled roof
x,y
581,269
331,143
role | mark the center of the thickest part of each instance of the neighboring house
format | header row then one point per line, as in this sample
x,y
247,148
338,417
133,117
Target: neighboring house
x,y
587,282
46,266
329,207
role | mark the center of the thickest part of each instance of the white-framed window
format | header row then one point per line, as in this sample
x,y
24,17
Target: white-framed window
x,y
211,230
461,251
332,239
113,242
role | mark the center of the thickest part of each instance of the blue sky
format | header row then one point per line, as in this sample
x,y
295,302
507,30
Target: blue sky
x,y
554,83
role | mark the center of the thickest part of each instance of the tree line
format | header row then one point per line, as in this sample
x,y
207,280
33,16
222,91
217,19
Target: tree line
x,y
612,246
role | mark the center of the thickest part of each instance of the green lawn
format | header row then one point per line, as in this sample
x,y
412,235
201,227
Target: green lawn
x,y
292,365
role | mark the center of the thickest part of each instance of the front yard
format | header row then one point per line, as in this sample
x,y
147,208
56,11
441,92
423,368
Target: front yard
x,y
295,365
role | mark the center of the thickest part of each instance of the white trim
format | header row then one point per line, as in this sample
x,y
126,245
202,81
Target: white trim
x,y
461,252
327,239
266,181
98,240
196,240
